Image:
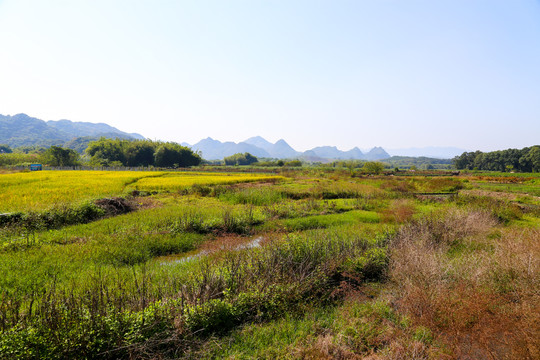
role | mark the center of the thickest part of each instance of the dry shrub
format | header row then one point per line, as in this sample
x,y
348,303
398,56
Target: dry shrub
x,y
443,229
399,211
484,301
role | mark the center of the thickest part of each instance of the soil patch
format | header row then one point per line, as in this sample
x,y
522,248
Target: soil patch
x,y
116,205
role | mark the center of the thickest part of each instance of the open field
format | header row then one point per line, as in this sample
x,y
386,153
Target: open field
x,y
42,189
316,264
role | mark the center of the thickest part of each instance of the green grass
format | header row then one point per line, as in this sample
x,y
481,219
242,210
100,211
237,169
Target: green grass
x,y
530,187
325,221
278,339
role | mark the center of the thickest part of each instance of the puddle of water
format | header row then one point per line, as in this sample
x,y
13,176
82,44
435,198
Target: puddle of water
x,y
250,245
192,255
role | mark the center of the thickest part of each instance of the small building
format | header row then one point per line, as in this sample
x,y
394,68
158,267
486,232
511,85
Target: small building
x,y
36,167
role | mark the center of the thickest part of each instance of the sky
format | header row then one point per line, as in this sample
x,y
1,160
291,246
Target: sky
x,y
396,74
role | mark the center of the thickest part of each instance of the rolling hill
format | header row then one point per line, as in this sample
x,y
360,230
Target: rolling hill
x,y
23,130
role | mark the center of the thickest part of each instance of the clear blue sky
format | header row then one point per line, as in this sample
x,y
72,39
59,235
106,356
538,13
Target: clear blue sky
x,y
400,73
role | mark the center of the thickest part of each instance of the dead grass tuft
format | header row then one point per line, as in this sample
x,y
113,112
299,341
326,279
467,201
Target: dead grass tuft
x,y
324,348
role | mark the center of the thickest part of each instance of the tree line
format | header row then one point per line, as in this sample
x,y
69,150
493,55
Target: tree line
x,y
117,152
522,160
112,152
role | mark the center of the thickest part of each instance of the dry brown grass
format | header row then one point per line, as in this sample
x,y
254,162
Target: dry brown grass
x,y
399,211
10,171
479,293
325,348
442,184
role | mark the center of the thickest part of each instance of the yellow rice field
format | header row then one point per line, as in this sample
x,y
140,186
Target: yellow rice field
x,y
175,181
44,189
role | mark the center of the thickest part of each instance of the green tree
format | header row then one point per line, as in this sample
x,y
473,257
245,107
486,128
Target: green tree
x,y
373,167
175,155
531,159
105,151
109,152
5,149
293,163
140,153
57,156
240,159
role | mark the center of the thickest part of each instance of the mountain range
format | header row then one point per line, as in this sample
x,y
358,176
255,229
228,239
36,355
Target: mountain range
x,y
216,150
23,130
439,152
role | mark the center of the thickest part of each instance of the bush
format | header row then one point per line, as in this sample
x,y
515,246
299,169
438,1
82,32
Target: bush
x,y
240,159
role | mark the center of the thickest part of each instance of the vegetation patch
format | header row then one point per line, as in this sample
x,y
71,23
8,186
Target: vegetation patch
x,y
323,264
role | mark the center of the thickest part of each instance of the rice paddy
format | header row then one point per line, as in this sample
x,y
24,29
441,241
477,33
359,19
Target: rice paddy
x,y
40,190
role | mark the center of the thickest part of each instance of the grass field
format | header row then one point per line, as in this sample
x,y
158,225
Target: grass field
x,y
314,265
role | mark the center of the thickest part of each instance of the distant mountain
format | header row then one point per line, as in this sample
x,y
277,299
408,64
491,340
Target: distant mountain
x,y
79,129
282,150
328,152
354,153
23,130
80,144
310,156
332,152
216,150
279,150
261,142
430,151
377,153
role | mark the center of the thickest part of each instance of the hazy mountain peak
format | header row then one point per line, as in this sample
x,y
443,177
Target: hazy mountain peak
x,y
440,152
377,153
259,141
20,116
214,149
256,139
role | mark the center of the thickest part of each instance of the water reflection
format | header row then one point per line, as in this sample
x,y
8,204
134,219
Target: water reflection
x,y
192,255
